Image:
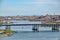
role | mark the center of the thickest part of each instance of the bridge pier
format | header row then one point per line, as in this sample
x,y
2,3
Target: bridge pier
x,y
7,28
55,28
35,28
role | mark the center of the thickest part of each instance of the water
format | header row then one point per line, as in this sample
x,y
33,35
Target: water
x,y
29,35
25,33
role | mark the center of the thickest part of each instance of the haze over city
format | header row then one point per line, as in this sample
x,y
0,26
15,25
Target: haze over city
x,y
29,7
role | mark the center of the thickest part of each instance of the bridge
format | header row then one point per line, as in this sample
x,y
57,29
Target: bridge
x,y
55,27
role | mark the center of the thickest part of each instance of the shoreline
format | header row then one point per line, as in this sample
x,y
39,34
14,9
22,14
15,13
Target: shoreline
x,y
6,33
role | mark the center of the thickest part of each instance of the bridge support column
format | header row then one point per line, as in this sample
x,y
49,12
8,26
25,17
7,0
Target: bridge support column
x,y
55,28
35,28
7,28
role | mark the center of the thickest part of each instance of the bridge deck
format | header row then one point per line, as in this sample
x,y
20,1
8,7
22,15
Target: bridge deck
x,y
29,24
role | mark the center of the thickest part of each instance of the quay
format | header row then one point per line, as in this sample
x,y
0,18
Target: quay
x,y
55,27
52,21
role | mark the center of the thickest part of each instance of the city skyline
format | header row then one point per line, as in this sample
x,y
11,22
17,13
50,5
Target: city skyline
x,y
29,7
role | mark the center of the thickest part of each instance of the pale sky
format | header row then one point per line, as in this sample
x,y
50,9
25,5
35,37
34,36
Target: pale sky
x,y
29,7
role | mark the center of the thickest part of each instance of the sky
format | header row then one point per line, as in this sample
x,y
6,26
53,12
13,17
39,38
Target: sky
x,y
29,7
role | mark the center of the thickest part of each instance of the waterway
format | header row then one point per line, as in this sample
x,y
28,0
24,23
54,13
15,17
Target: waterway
x,y
25,33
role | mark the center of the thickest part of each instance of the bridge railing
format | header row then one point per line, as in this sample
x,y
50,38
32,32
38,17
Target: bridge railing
x,y
29,24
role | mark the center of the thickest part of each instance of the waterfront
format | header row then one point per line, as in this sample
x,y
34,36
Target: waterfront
x,y
26,33
24,19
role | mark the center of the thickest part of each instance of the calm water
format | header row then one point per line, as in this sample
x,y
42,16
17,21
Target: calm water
x,y
28,35
25,33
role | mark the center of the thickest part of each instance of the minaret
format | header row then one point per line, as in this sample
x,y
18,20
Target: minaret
x,y
54,13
